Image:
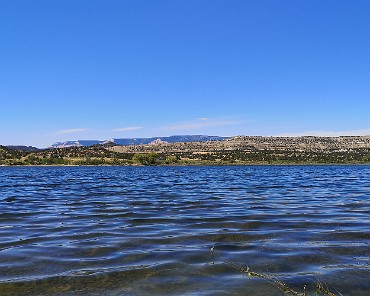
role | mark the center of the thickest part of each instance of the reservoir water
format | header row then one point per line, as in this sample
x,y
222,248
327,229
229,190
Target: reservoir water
x,y
202,230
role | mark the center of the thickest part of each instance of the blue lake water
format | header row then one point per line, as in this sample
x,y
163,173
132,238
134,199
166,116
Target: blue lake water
x,y
184,230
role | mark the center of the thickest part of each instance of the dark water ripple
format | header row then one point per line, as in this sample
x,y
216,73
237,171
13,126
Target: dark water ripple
x,y
149,230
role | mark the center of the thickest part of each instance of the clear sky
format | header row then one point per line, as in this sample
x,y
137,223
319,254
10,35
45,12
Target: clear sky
x,y
101,69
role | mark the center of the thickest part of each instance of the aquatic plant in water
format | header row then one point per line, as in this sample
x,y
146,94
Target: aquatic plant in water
x,y
320,288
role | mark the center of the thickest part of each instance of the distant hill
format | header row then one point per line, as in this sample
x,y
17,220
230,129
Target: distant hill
x,y
23,148
7,153
138,141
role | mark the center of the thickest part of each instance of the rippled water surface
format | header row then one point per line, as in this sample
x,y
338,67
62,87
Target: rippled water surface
x,y
150,230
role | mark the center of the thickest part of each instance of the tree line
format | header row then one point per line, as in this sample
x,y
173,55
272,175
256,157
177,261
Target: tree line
x,y
97,155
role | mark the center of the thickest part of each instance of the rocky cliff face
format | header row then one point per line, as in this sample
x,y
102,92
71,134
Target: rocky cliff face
x,y
157,142
247,143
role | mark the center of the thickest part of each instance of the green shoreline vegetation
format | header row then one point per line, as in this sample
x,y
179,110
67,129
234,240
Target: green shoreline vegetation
x,y
100,155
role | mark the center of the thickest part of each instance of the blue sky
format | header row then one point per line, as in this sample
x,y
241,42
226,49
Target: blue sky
x,y
88,69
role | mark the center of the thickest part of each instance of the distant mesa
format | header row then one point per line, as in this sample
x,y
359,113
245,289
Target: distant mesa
x,y
170,139
23,148
78,143
138,141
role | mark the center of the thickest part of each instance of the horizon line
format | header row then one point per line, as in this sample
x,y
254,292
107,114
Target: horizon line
x,y
286,135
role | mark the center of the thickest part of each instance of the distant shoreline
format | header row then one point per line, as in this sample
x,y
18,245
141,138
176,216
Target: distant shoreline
x,y
195,164
234,151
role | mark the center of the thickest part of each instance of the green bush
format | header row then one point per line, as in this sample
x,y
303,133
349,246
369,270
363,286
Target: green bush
x,y
146,158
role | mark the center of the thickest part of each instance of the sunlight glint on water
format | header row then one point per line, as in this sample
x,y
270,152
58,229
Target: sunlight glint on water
x,y
150,230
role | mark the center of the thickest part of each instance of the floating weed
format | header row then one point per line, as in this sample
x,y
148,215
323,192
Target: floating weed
x,y
321,288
